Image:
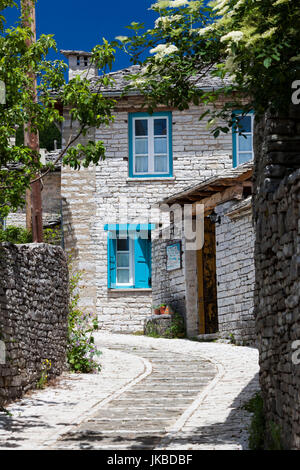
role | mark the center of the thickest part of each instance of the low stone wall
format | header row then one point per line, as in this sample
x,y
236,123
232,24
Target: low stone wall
x,y
34,298
277,259
235,271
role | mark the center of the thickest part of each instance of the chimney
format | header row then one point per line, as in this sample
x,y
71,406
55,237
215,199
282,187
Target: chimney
x,y
79,64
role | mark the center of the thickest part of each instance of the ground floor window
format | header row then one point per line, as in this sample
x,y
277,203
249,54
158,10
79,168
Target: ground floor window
x,y
129,256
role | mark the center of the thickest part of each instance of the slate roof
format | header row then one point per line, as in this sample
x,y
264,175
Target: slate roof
x,y
205,83
50,157
121,81
77,53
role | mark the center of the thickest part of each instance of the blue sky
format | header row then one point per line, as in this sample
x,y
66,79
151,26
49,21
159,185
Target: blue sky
x,y
82,24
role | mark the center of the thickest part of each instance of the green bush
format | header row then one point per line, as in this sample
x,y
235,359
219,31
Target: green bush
x,y
19,235
52,236
176,329
16,235
81,352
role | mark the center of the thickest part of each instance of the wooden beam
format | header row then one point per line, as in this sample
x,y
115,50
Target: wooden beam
x,y
245,176
233,192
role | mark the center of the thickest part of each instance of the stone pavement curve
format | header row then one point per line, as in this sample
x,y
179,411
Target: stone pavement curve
x,y
152,393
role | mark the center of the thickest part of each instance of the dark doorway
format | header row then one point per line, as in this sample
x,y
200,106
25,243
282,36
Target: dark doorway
x,y
207,281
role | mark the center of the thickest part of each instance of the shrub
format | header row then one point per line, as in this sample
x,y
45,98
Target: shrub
x,y
52,236
81,352
176,329
19,235
16,235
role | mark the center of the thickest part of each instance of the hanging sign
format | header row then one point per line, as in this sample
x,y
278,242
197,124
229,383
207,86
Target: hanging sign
x,y
174,256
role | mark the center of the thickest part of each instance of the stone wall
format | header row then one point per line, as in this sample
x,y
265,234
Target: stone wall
x,y
277,259
95,196
34,299
177,288
235,271
168,286
51,201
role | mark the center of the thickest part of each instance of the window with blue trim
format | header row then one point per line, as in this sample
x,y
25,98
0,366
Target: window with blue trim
x,y
150,145
242,135
129,256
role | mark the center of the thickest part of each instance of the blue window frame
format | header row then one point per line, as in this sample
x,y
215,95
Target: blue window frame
x,y
150,145
242,145
129,256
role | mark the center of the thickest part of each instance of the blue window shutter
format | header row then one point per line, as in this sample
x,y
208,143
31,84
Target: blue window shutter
x,y
111,264
142,255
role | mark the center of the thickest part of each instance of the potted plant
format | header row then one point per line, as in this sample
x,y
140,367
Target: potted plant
x,y
156,310
162,308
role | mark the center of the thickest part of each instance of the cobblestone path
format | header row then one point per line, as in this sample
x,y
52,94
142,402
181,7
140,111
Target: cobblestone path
x,y
140,417
151,394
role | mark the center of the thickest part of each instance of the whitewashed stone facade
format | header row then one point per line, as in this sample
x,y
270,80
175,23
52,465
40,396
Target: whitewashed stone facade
x,y
106,194
184,289
236,271
93,197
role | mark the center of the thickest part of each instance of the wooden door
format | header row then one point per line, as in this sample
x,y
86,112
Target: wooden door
x,y
207,282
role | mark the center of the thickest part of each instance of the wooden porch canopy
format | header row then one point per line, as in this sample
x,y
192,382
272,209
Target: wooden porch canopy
x,y
216,190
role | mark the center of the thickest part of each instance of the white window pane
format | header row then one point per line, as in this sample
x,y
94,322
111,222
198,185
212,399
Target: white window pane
x,y
123,260
123,244
245,123
245,157
160,127
123,276
141,146
141,127
245,143
161,164
141,164
160,145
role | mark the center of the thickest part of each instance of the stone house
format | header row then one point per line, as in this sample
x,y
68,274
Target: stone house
x,y
111,212
212,284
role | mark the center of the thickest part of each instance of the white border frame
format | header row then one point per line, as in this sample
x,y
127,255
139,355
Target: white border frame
x,y
150,145
237,141
131,264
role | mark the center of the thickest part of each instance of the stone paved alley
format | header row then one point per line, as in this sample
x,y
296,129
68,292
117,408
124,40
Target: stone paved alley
x,y
151,394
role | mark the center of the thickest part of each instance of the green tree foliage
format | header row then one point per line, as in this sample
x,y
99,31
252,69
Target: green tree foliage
x,y
90,109
47,137
254,44
17,235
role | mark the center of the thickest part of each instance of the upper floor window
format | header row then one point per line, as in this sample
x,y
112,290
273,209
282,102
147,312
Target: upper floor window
x,y
242,144
150,145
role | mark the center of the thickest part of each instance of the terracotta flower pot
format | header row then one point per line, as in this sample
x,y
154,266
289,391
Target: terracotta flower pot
x,y
156,311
